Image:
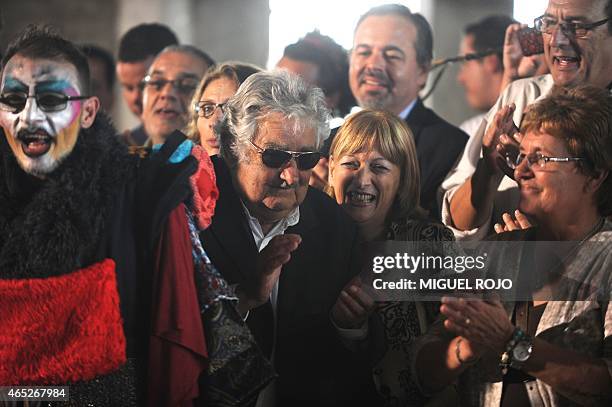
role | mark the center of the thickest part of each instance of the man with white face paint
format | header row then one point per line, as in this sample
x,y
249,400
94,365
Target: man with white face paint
x,y
98,247
577,36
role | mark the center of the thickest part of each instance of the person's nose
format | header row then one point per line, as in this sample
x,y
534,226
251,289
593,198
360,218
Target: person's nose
x,y
31,113
169,90
523,170
559,38
376,60
215,118
290,172
364,176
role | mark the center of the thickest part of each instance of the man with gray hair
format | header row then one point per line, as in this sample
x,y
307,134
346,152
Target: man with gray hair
x,y
168,87
286,247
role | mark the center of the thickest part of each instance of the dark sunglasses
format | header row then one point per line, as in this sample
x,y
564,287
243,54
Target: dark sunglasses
x,y
15,102
274,158
183,85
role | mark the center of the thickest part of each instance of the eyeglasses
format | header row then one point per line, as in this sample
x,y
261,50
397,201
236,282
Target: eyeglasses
x,y
547,25
206,110
15,102
539,160
183,85
274,158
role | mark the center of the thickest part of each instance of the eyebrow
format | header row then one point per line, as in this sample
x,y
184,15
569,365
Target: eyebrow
x,y
182,75
385,48
52,86
14,84
567,18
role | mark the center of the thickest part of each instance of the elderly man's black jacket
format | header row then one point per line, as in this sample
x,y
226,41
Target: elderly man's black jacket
x,y
313,366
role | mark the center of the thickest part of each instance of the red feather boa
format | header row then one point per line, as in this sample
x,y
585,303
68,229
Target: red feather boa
x,y
61,329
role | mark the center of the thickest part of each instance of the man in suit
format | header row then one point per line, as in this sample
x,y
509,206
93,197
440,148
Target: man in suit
x,y
389,63
287,248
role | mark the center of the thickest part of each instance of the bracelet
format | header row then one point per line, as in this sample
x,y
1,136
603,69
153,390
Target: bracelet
x,y
458,354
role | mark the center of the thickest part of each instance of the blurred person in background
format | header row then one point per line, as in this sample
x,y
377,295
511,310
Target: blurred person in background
x,y
323,63
481,78
137,49
102,71
168,87
218,85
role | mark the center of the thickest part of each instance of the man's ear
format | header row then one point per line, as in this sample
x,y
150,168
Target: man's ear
x,y
493,64
594,183
422,74
89,111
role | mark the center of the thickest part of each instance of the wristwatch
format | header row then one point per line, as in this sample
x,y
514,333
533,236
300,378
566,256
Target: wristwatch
x,y
518,350
521,353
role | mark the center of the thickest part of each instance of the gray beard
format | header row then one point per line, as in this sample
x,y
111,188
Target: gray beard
x,y
375,102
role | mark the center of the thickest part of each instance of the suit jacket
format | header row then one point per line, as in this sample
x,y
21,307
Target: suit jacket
x,y
313,366
438,145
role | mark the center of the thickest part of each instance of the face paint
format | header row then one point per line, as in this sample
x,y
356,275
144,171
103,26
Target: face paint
x,y
41,139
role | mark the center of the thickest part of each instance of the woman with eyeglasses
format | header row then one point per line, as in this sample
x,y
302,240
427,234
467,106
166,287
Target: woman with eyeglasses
x,y
216,87
552,346
374,177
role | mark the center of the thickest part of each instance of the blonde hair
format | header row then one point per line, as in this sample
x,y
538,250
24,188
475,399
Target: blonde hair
x,y
384,132
234,71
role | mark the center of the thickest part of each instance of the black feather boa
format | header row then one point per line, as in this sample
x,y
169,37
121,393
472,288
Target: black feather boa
x,y
54,226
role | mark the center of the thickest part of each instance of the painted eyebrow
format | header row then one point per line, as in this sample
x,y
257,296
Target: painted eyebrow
x,y
52,86
14,84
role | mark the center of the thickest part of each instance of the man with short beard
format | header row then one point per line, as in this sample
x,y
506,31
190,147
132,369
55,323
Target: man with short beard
x,y
389,64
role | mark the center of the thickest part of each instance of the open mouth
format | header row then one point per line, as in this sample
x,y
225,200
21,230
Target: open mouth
x,y
35,144
567,62
167,113
359,198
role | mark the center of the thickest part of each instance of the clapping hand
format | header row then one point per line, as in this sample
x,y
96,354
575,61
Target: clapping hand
x,y
353,306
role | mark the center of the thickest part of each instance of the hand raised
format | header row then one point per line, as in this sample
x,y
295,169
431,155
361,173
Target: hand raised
x,y
256,290
353,306
499,141
519,222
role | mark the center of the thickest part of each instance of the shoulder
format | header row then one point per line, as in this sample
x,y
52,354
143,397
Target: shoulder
x,y
428,121
525,91
324,206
